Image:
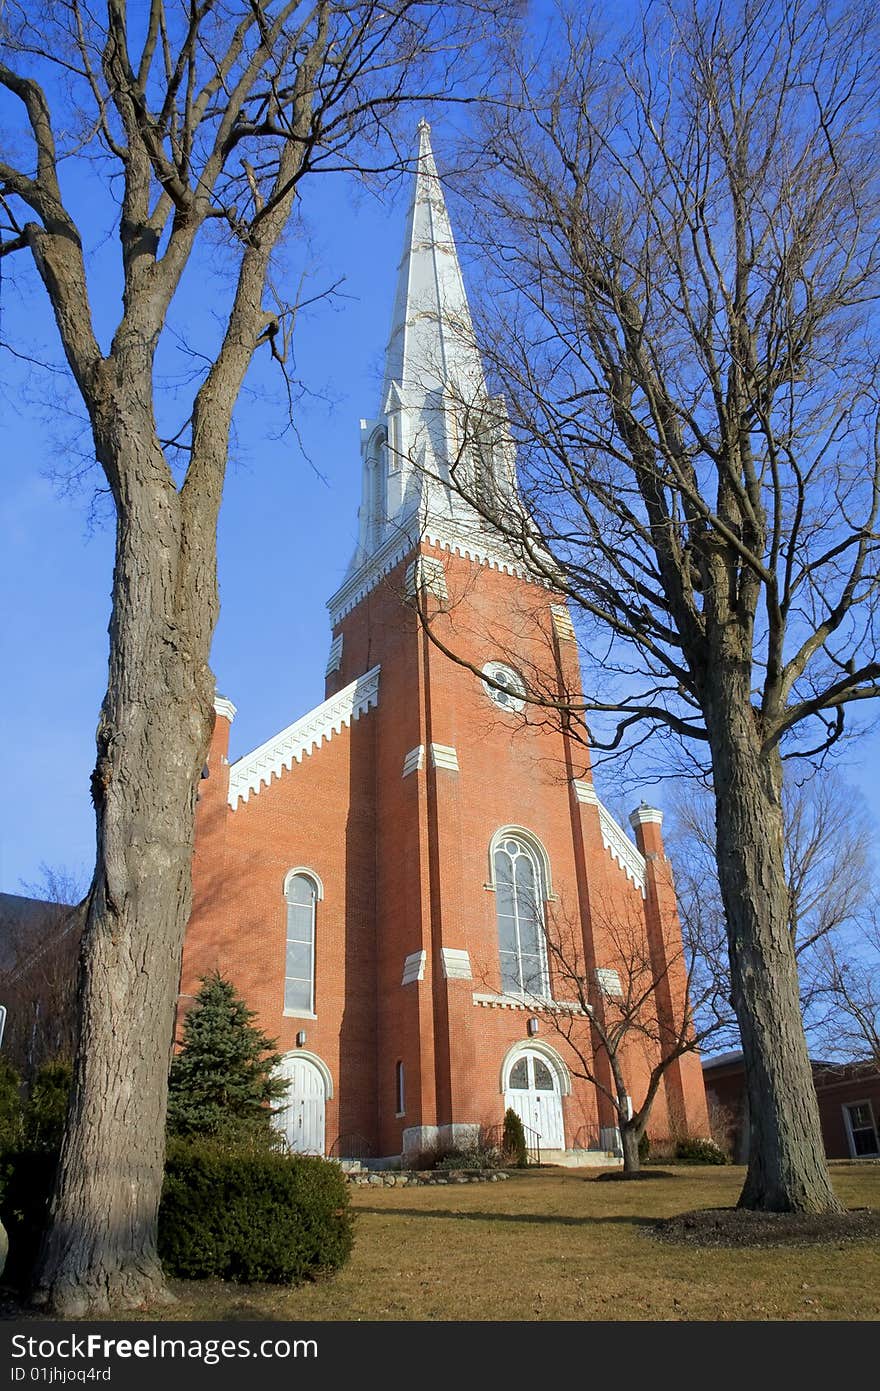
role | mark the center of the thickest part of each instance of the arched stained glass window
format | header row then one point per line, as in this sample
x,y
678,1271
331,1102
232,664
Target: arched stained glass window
x,y
299,968
519,898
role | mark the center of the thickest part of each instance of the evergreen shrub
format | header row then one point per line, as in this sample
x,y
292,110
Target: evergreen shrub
x,y
513,1142
223,1080
45,1110
699,1152
251,1214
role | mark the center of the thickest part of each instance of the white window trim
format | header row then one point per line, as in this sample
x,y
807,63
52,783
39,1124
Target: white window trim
x,y
521,833
544,1051
845,1105
303,872
542,864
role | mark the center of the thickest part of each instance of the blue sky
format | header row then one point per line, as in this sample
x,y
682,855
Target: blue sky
x,y
287,526
286,534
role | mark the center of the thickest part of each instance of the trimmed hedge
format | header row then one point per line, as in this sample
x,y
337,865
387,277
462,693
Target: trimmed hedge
x,y
251,1215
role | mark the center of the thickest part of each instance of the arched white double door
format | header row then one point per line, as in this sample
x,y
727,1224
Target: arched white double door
x,y
301,1114
532,1090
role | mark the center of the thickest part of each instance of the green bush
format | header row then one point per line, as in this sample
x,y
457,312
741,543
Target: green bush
x,y
45,1110
26,1179
699,1152
10,1106
513,1142
249,1215
644,1148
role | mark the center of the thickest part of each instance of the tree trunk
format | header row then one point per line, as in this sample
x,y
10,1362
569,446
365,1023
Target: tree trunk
x,y
629,1140
787,1170
152,739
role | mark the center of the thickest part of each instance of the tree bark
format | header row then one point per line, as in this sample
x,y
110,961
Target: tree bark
x,y
152,739
629,1143
786,1171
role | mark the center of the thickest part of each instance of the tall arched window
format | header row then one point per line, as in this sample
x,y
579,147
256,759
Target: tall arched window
x,y
302,892
519,905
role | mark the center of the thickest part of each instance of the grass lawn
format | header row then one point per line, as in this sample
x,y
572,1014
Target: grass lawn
x,y
553,1244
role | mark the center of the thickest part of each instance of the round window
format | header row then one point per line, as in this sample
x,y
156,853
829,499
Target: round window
x,y
509,687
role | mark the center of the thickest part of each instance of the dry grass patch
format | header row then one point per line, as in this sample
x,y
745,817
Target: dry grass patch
x,y
553,1244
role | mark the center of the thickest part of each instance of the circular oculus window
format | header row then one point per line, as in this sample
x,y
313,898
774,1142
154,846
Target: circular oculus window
x,y
510,688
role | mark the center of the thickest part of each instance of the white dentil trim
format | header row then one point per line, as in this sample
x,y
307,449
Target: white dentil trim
x,y
614,837
301,738
224,708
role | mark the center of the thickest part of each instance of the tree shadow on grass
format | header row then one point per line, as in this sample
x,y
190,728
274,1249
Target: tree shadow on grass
x,y
544,1219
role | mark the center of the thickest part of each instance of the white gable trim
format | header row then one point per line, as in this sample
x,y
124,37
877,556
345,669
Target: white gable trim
x,y
614,837
249,773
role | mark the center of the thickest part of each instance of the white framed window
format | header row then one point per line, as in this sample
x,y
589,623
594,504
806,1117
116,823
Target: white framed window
x,y
400,1088
512,687
302,891
861,1129
519,912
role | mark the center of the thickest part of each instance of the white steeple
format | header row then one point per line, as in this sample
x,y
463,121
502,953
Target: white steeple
x,y
434,404
431,341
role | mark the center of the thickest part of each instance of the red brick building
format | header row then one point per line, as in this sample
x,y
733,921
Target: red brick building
x,y
382,878
849,1106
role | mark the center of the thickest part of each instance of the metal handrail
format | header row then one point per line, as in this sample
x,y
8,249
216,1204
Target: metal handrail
x,y
495,1136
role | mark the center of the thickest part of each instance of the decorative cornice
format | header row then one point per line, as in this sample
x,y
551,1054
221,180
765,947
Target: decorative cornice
x,y
475,545
481,546
614,837
444,756
414,967
456,964
646,816
621,849
299,739
224,708
414,761
392,551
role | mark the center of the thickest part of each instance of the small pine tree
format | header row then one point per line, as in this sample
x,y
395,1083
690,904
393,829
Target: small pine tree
x,y
513,1143
221,1081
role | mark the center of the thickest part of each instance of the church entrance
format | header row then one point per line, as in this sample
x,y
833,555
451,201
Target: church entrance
x,y
301,1117
532,1091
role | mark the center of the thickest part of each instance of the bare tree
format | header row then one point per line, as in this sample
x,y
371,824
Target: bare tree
x,y
201,117
831,889
628,1023
41,935
682,231
846,997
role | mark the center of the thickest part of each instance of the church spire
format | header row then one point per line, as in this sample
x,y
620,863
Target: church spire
x,y
434,401
431,342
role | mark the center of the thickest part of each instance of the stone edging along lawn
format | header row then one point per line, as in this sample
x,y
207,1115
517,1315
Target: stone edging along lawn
x,y
400,1178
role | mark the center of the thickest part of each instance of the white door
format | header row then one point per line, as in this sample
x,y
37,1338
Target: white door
x,y
533,1093
301,1118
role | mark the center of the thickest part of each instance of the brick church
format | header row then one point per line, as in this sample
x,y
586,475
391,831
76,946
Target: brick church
x,y
414,883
